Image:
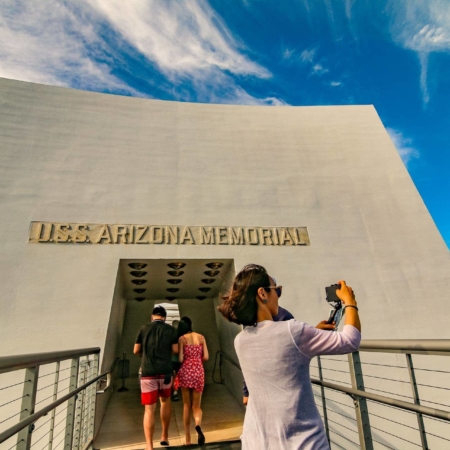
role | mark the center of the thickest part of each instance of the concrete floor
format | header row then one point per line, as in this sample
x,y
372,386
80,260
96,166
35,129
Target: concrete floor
x,y
122,425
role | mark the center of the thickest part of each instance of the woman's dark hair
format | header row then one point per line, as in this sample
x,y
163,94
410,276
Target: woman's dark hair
x,y
185,326
239,306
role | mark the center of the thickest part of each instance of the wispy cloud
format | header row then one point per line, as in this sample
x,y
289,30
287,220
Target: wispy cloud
x,y
185,38
81,44
424,27
403,145
287,53
307,56
336,83
46,42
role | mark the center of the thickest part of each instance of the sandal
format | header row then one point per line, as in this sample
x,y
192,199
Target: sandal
x,y
201,436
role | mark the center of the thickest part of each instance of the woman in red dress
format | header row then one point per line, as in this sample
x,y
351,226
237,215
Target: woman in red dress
x,y
191,376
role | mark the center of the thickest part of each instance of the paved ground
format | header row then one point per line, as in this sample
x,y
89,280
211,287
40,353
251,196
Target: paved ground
x,y
122,425
230,445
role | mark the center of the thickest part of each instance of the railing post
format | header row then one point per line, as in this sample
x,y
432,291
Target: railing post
x,y
79,411
324,405
70,420
55,396
27,406
415,393
362,413
93,397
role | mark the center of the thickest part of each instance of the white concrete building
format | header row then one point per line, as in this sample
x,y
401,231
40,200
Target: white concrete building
x,y
315,194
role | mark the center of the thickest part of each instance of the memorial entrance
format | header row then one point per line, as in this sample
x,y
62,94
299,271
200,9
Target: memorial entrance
x,y
188,287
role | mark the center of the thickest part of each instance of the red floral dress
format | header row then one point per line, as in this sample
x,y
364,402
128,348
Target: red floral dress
x,y
191,374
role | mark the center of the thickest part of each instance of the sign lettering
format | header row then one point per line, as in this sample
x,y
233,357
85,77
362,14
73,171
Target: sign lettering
x,y
107,234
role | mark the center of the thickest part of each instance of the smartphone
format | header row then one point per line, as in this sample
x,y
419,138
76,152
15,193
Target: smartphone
x,y
331,293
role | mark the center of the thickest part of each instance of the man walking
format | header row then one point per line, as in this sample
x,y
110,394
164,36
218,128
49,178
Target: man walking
x,y
155,342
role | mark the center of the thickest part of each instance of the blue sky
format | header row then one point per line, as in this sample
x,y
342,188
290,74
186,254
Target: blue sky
x,y
394,54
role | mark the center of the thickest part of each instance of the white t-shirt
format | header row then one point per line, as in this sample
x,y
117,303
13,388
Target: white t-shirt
x,y
274,357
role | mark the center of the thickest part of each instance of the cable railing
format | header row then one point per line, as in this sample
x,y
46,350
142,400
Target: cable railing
x,y
380,397
47,400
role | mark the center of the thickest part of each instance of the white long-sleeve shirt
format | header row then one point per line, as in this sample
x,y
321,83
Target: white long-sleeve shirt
x,y
275,357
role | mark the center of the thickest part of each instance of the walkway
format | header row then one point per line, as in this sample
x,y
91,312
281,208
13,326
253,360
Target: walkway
x,y
122,425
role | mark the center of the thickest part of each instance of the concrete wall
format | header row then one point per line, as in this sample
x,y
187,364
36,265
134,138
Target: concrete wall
x,y
78,156
110,350
232,376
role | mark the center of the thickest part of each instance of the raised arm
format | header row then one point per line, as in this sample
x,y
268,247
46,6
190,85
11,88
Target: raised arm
x,y
312,341
345,293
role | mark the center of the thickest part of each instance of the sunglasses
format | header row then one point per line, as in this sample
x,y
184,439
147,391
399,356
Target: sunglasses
x,y
278,289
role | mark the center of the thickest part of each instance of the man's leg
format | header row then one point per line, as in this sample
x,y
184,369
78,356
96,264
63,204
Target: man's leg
x,y
149,398
166,411
149,425
166,407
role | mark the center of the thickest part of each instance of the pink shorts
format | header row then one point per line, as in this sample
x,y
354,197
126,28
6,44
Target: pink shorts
x,y
153,387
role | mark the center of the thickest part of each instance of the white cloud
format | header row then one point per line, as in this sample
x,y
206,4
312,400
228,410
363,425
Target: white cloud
x,y
273,101
45,42
348,9
431,38
336,83
241,97
230,93
184,38
403,145
423,58
422,26
307,56
318,69
63,43
287,53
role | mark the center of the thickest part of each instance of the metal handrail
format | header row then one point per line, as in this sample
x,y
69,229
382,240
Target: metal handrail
x,y
411,346
230,360
425,410
34,417
109,377
31,363
17,362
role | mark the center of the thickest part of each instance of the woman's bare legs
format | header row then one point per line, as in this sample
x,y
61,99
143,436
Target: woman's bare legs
x,y
196,410
197,413
187,405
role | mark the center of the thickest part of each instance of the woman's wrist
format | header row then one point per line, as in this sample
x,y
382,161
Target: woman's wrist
x,y
350,306
353,303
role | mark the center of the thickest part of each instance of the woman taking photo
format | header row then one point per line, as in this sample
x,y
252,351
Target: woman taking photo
x,y
275,356
191,376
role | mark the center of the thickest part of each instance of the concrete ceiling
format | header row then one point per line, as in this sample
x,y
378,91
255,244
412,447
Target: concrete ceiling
x,y
170,280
